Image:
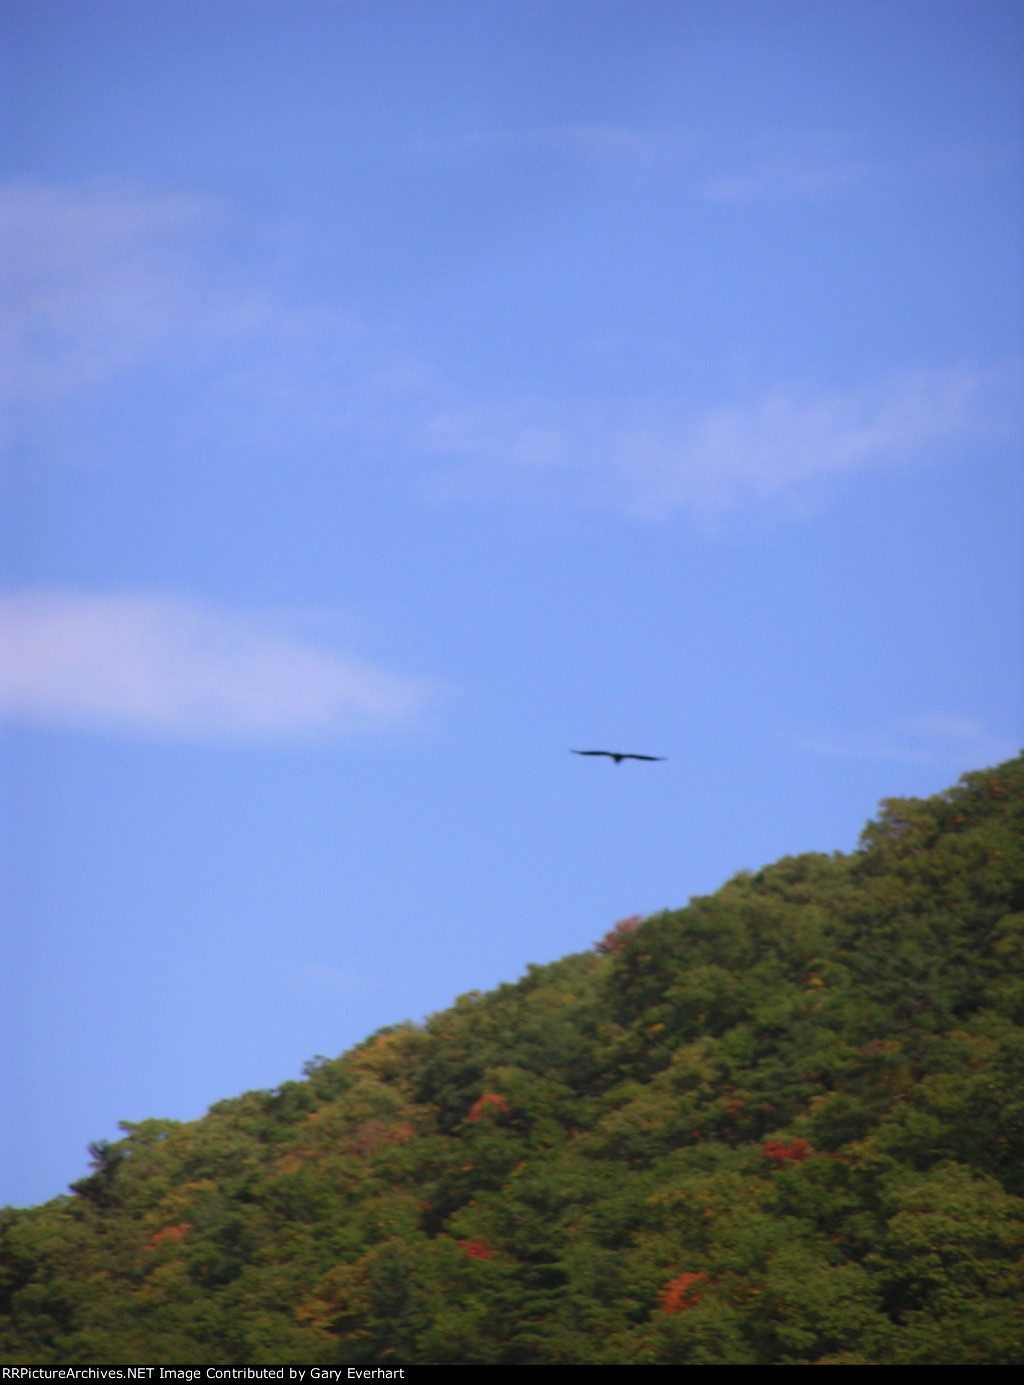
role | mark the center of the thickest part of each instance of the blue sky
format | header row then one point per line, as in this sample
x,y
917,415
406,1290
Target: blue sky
x,y
403,394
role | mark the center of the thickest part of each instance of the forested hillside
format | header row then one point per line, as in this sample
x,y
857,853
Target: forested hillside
x,y
782,1125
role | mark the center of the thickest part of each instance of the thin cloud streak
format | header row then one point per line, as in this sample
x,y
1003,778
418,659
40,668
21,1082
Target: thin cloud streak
x,y
936,740
110,278
600,145
771,169
794,168
653,457
94,278
172,668
99,281
787,437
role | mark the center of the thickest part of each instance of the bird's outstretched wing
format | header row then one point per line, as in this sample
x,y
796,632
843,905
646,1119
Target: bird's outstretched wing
x,y
619,755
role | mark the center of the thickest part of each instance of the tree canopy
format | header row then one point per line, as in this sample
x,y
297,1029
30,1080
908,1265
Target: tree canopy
x,y
782,1125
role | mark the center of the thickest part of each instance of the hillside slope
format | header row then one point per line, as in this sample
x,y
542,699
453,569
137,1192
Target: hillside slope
x,y
782,1125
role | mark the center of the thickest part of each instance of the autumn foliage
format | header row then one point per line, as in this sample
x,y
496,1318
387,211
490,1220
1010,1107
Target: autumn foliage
x,y
782,1153
618,936
490,1104
679,1295
169,1233
478,1250
794,1105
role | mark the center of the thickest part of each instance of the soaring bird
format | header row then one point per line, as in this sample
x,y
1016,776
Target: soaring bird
x,y
619,755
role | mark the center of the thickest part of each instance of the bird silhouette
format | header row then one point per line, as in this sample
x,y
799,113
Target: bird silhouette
x,y
619,755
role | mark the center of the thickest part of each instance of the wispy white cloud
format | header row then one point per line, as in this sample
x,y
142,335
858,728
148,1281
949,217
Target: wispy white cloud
x,y
787,437
93,278
654,456
101,279
933,739
596,144
782,167
790,168
168,667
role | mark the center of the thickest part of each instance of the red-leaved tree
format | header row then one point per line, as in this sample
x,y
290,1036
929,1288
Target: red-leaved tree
x,y
797,1152
678,1295
616,938
490,1104
478,1250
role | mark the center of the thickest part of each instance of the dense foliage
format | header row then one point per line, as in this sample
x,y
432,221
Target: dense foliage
x,y
782,1125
